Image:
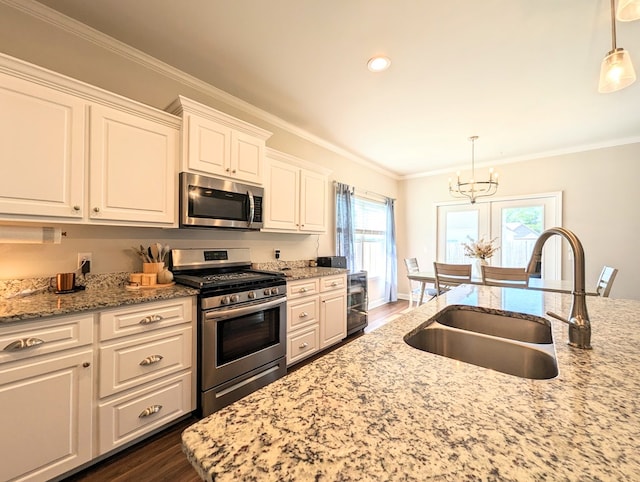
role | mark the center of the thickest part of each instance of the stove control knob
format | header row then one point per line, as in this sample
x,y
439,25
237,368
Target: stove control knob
x,y
224,300
235,298
274,291
251,295
267,291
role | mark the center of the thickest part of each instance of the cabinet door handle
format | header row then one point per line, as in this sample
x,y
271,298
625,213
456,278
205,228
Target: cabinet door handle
x,y
304,314
96,210
150,410
76,208
303,290
304,345
23,344
151,359
151,319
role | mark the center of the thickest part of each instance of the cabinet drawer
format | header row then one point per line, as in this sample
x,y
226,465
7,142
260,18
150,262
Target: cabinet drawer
x,y
23,340
133,361
329,283
303,343
130,416
306,287
145,317
302,312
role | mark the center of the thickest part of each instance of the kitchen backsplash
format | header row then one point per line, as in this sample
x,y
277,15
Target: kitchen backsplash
x,y
27,286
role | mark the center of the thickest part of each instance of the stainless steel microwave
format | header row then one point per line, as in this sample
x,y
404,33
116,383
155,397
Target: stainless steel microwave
x,y
207,202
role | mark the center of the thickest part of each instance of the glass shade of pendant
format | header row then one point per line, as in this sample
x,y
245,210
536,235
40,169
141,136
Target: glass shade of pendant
x,y
616,71
628,10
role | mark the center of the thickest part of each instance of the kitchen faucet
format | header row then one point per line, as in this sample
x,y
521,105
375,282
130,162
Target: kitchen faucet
x,y
579,324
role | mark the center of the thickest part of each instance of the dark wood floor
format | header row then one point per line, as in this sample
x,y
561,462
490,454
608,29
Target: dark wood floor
x,y
160,457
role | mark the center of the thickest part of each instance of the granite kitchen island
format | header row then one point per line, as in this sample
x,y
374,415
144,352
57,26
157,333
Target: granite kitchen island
x,y
378,409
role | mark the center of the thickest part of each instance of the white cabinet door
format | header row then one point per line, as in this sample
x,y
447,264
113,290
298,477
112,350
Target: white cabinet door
x,y
333,317
209,146
42,155
46,415
281,196
247,157
313,202
132,167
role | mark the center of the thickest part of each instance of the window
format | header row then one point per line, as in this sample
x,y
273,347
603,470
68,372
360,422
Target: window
x,y
370,222
515,222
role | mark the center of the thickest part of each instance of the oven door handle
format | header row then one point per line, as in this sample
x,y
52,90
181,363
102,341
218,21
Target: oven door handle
x,y
232,312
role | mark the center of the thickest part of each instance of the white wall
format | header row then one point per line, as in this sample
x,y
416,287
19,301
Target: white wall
x,y
42,43
600,197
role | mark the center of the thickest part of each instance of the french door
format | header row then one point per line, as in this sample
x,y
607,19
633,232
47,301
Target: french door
x,y
515,223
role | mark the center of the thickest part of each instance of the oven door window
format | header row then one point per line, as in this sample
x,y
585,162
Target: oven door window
x,y
242,336
212,203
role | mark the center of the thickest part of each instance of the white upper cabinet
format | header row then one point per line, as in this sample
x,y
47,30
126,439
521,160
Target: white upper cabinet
x,y
72,152
133,167
217,144
295,196
42,150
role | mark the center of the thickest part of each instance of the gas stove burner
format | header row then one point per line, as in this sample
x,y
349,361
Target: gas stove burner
x,y
220,271
212,278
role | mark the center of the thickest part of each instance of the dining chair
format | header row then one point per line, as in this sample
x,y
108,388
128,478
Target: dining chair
x,y
605,281
412,267
506,277
450,275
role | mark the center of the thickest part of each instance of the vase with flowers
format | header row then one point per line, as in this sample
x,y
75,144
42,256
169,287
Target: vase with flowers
x,y
481,251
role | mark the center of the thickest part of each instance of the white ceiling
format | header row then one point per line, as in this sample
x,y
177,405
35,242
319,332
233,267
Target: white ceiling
x,y
521,74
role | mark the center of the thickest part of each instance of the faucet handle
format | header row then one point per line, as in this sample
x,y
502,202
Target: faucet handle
x,y
558,317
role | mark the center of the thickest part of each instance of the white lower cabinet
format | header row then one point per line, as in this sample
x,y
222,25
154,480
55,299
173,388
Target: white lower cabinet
x,y
128,416
147,369
46,397
55,416
316,315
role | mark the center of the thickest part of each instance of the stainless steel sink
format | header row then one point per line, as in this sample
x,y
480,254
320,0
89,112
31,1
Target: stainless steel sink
x,y
527,328
501,342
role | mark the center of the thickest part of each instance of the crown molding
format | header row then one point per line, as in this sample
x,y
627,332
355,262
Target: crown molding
x,y
540,155
74,27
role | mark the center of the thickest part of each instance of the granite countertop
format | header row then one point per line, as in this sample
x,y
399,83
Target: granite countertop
x,y
303,273
105,291
295,270
378,409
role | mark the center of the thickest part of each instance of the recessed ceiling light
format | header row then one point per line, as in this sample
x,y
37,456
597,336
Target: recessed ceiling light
x,y
378,64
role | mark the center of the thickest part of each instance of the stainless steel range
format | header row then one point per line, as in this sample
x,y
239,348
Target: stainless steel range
x,y
241,323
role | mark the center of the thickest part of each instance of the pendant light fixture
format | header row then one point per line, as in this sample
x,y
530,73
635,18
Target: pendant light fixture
x,y
616,71
474,189
628,10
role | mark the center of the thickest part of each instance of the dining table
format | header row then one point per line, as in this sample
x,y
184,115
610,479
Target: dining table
x,y
540,284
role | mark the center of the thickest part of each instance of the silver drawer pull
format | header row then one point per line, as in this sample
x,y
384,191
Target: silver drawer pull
x,y
150,410
304,345
151,359
304,314
23,344
151,319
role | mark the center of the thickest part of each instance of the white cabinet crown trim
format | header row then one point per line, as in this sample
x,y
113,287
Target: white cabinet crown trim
x,y
53,80
183,104
296,161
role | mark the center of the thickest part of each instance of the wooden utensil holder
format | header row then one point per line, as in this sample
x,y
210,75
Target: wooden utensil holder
x,y
152,267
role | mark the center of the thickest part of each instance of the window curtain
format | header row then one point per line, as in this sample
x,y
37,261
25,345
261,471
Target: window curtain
x,y
391,277
345,231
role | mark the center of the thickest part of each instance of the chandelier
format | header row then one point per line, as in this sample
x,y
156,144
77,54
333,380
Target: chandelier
x,y
474,189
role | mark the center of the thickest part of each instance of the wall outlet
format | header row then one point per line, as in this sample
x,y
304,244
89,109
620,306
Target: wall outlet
x,y
84,267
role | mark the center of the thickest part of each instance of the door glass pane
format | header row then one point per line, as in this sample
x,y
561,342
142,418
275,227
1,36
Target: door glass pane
x,y
521,227
460,226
